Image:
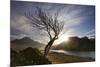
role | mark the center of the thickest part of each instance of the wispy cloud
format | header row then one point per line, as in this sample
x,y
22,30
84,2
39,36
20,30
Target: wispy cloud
x,y
73,15
89,32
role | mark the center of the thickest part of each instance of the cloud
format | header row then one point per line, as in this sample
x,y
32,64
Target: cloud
x,y
89,32
73,15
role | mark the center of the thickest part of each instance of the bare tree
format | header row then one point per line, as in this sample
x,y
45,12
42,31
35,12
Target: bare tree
x,y
48,22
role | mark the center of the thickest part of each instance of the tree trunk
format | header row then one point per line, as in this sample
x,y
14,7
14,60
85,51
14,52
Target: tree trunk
x,y
47,48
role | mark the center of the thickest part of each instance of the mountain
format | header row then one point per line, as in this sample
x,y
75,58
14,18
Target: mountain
x,y
20,44
77,44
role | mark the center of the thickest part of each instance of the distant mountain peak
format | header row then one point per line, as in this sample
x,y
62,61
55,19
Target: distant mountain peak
x,y
26,38
19,44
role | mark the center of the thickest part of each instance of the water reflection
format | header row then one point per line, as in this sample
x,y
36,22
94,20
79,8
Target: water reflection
x,y
77,53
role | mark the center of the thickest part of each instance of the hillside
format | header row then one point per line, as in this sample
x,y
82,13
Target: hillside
x,y
20,44
78,44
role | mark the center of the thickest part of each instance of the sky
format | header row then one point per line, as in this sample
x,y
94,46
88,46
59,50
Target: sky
x,y
79,20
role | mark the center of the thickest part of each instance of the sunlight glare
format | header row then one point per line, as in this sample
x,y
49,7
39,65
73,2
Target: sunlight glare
x,y
61,39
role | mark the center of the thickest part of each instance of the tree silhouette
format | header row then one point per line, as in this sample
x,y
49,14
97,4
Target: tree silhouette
x,y
43,20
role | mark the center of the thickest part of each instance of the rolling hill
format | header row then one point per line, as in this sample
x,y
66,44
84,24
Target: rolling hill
x,y
20,44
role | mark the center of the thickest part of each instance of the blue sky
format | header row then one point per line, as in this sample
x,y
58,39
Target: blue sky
x,y
79,20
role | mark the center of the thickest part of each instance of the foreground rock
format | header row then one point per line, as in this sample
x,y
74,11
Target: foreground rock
x,y
28,56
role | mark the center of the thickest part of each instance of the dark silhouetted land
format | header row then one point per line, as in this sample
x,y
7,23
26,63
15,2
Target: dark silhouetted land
x,y
77,44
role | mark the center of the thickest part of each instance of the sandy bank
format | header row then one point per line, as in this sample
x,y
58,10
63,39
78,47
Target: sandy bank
x,y
57,58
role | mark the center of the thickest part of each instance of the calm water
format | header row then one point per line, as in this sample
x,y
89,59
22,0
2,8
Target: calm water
x,y
77,53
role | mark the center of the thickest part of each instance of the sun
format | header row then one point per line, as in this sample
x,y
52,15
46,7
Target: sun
x,y
61,39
